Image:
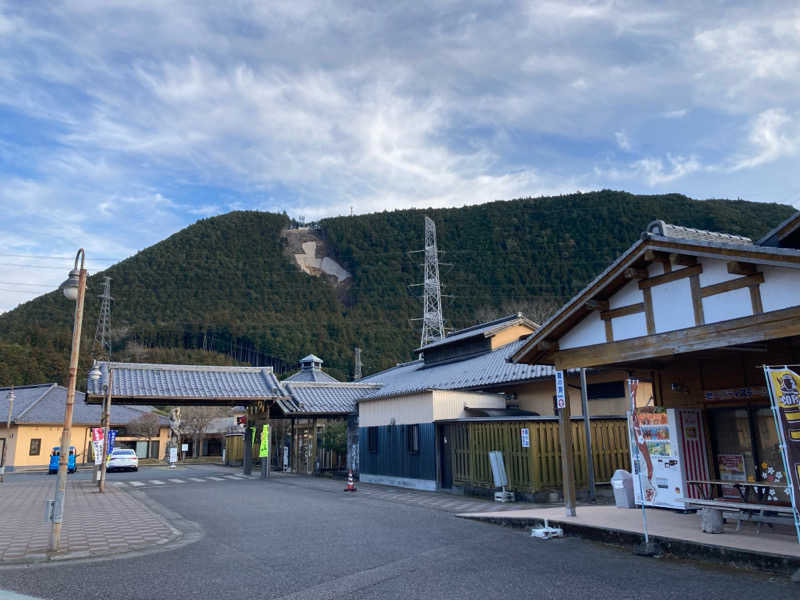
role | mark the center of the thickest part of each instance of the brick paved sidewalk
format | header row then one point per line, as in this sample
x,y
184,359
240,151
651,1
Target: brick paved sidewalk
x,y
94,525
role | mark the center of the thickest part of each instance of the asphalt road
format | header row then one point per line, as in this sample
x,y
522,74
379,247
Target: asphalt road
x,y
277,539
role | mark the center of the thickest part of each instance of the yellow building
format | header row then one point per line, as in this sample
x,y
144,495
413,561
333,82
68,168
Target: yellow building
x,y
36,415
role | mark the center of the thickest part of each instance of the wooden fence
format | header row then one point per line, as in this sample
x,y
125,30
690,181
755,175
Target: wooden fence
x,y
537,467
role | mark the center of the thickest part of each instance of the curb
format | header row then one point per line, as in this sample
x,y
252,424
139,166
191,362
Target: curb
x,y
677,548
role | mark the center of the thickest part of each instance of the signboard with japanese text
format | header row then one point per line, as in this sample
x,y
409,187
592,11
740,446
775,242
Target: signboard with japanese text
x,y
731,468
173,454
525,437
561,394
112,435
784,392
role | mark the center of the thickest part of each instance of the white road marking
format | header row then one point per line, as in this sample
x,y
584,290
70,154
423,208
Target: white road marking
x,y
177,481
197,479
231,477
136,483
156,482
216,478
120,483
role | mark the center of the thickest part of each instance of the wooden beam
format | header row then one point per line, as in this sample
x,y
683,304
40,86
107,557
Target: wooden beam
x,y
685,260
736,267
731,284
755,299
649,317
636,273
622,311
595,304
697,300
671,276
744,330
609,330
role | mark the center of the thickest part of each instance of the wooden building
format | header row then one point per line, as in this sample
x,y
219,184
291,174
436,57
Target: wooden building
x,y
422,428
696,314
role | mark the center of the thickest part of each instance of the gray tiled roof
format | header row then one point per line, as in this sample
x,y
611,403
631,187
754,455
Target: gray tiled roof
x,y
484,371
663,229
170,382
323,398
44,403
481,329
317,375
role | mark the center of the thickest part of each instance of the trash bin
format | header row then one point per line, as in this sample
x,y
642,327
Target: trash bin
x,y
622,484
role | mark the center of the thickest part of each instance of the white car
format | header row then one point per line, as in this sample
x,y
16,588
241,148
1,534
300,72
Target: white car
x,y
122,459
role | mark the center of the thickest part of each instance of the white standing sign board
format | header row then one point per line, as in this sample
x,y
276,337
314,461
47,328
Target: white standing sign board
x,y
525,437
173,454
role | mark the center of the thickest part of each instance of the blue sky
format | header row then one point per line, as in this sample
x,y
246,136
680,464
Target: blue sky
x,y
123,122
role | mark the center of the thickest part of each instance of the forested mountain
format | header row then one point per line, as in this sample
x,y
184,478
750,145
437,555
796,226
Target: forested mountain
x,y
227,284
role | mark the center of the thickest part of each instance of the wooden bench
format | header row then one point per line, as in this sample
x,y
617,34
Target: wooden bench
x,y
745,511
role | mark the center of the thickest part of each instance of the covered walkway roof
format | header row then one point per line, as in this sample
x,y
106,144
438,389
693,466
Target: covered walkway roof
x,y
184,385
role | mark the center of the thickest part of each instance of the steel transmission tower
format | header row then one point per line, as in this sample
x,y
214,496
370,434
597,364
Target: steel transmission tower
x,y
101,347
432,322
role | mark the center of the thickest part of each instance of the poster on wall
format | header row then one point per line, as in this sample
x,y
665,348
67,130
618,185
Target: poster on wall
x,y
731,468
784,392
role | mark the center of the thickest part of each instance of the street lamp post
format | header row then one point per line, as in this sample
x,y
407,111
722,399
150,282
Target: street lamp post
x,y
74,288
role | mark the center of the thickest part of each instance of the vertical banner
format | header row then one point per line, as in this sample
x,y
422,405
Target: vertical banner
x,y
97,445
112,435
784,394
263,451
641,450
561,396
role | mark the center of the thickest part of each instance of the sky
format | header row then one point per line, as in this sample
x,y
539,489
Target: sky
x,y
123,122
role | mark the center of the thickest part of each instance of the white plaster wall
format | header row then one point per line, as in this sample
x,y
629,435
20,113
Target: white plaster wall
x,y
405,410
590,330
628,294
672,305
715,271
728,305
449,404
629,326
781,288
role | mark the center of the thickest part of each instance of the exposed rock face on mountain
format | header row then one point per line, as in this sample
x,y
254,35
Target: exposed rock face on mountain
x,y
312,259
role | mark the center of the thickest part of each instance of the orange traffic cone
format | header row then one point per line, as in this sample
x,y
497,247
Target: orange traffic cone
x,y
351,486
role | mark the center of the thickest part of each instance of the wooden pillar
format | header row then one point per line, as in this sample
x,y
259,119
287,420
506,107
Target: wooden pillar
x,y
247,452
587,429
567,460
314,445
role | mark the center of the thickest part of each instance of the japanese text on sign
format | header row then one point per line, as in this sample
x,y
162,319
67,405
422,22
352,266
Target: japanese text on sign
x,y
525,437
561,397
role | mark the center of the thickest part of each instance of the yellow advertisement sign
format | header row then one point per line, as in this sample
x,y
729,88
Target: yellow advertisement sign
x,y
263,451
784,388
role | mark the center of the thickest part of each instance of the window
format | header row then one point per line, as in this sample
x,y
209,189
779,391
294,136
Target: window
x,y
412,438
372,439
36,447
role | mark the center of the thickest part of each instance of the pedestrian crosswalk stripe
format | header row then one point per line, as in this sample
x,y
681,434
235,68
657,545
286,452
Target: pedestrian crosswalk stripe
x,y
177,481
197,479
216,478
231,477
136,483
156,482
118,482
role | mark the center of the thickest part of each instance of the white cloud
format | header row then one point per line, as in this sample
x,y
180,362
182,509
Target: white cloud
x,y
773,134
622,140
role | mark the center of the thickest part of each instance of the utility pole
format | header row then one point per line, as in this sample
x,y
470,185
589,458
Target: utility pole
x,y
357,368
101,348
567,459
587,429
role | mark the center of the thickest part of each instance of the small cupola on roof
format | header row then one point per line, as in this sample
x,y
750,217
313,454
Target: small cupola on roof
x,y
311,370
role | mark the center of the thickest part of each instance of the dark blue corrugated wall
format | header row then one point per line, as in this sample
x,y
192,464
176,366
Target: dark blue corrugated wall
x,y
393,457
